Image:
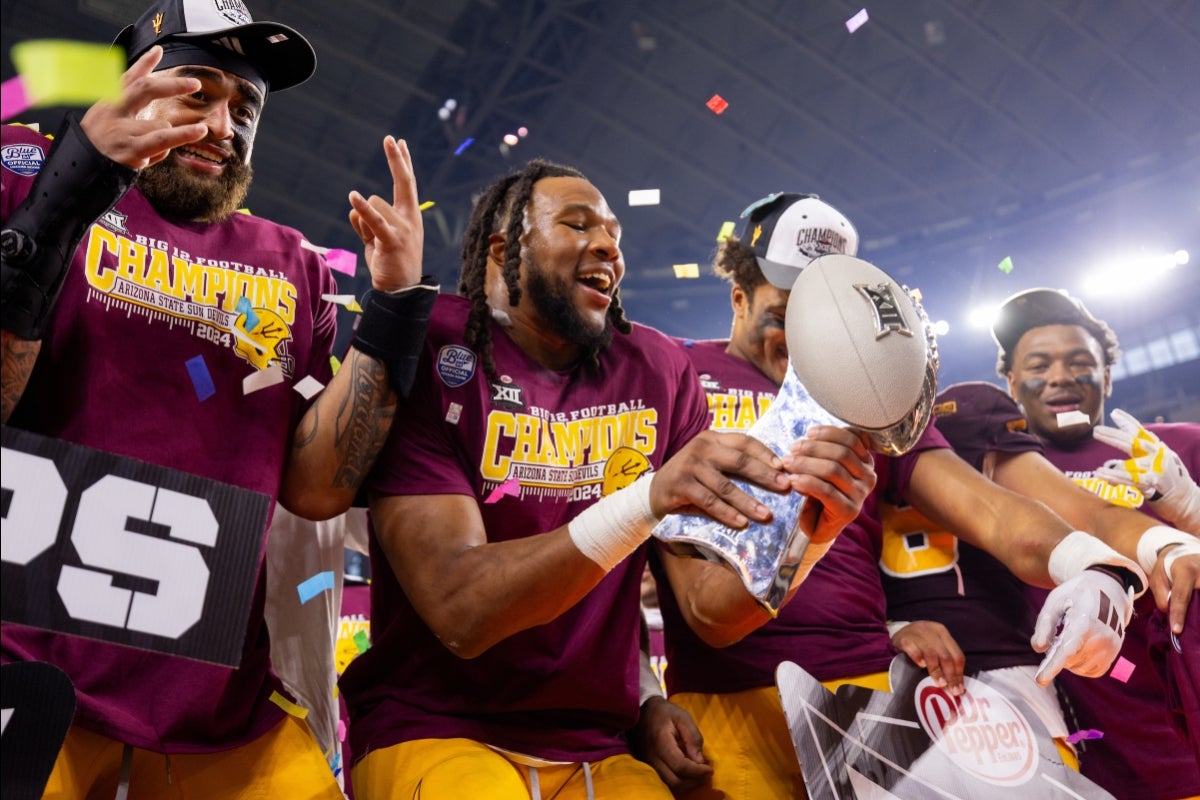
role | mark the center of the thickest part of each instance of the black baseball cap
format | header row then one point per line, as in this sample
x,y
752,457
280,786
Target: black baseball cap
x,y
221,34
1036,308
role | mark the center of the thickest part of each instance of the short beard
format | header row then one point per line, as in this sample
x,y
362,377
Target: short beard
x,y
551,297
179,193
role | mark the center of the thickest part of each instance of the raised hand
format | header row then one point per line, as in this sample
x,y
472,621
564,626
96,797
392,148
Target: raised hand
x,y
393,234
1154,468
116,129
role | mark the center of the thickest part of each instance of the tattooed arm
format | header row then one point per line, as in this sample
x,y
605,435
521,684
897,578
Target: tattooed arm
x,y
19,356
337,441
339,437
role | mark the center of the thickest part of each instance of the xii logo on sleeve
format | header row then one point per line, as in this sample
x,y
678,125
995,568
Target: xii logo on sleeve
x,y
110,548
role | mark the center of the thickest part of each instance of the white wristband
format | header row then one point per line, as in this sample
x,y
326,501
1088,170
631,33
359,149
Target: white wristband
x,y
1188,549
608,531
895,626
1078,551
1155,539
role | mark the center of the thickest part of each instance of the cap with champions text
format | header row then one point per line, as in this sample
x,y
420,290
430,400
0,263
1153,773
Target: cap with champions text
x,y
786,231
221,34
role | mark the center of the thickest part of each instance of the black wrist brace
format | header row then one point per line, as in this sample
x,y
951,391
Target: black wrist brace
x,y
392,330
74,187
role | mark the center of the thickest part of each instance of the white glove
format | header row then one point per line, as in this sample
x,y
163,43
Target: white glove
x,y
1093,609
1152,467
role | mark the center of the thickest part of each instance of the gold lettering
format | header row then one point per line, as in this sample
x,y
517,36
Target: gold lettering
x,y
99,242
495,466
189,280
158,277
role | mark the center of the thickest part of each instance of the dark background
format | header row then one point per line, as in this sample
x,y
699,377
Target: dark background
x,y
1062,134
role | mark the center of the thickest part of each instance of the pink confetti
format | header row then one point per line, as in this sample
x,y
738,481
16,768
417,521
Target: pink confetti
x,y
717,104
1122,669
342,260
13,97
857,21
341,730
1090,733
511,487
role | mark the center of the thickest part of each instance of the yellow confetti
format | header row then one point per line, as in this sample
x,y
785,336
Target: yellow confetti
x,y
726,231
61,72
299,712
335,364
354,306
687,270
427,204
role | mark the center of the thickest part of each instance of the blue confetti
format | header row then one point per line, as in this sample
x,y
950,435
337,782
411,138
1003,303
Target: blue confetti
x,y
312,587
201,380
469,141
244,307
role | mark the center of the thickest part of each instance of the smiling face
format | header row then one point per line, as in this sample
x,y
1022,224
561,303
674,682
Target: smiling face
x,y
205,180
1058,368
758,329
571,265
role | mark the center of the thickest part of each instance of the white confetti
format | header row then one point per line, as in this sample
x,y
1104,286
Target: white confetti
x,y
308,387
1068,418
643,197
857,21
262,379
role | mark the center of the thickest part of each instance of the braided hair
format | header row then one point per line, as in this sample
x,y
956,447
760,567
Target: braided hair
x,y
501,209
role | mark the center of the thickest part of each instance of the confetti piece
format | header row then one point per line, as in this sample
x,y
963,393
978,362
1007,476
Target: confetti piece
x,y
643,197
687,270
245,211
426,205
244,307
454,413
335,364
362,641
466,143
257,381
309,387
13,97
1122,670
1090,733
727,229
1066,418
313,586
717,104
201,380
307,245
347,300
511,488
341,730
299,712
857,21
1005,266
342,261
337,763
59,72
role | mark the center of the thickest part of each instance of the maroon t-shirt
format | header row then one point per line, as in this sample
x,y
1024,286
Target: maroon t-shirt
x,y
924,567
144,296
566,690
1143,753
835,626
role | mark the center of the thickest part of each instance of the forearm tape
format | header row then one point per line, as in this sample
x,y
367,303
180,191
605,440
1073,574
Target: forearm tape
x,y
392,330
74,187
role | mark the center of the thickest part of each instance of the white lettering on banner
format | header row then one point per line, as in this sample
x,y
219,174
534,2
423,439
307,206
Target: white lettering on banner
x,y
101,538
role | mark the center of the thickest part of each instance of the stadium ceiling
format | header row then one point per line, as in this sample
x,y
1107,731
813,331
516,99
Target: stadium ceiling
x,y
1056,133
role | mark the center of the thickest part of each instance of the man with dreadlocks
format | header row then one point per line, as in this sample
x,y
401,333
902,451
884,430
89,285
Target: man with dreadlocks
x,y
545,437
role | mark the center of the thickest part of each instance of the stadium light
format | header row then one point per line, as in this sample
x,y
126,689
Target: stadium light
x,y
1133,274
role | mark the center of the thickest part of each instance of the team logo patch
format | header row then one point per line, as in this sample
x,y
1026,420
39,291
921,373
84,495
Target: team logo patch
x,y
507,394
709,383
455,365
114,220
946,409
23,159
888,318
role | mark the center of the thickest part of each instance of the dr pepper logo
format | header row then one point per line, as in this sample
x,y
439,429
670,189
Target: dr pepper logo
x,y
980,731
